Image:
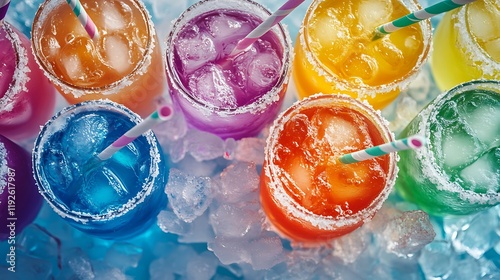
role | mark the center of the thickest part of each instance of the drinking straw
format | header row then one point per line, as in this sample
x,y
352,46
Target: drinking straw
x,y
84,19
4,5
417,16
163,113
265,26
411,142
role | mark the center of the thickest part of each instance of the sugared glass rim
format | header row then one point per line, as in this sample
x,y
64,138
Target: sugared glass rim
x,y
363,90
275,185
53,125
474,53
20,75
426,157
112,88
264,101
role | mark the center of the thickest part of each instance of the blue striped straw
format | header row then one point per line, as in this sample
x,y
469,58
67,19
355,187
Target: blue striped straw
x,y
417,16
412,142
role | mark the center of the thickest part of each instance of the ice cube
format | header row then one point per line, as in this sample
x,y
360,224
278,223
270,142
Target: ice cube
x,y
116,53
436,259
198,231
116,16
188,195
387,52
195,52
203,145
493,48
250,150
169,222
231,220
349,247
58,170
479,21
360,66
230,250
238,181
338,132
458,149
123,255
263,71
330,35
202,266
79,62
482,176
84,136
209,85
484,121
52,43
76,264
266,251
372,13
408,233
225,29
161,269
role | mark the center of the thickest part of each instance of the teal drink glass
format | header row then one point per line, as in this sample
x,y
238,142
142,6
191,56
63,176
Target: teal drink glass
x,y
457,171
117,198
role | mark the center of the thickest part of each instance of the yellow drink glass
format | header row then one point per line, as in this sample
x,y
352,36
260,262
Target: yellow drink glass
x,y
335,51
467,45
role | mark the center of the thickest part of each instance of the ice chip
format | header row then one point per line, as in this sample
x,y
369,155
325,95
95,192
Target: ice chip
x,y
169,222
198,231
195,52
238,181
188,195
373,13
482,176
436,259
203,145
250,150
266,252
231,220
408,233
77,265
230,250
123,255
209,85
202,266
117,53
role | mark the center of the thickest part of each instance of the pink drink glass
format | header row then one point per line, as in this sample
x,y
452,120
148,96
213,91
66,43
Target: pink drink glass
x,y
230,98
27,97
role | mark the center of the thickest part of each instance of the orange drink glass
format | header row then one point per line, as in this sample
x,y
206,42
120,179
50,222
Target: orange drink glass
x,y
334,50
310,197
124,65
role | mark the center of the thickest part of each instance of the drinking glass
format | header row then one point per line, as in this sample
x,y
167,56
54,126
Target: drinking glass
x,y
228,97
456,172
307,194
115,198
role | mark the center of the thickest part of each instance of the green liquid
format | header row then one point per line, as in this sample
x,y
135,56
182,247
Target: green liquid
x,y
458,171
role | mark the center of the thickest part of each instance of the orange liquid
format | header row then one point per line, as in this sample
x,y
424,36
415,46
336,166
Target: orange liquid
x,y
337,35
70,55
315,180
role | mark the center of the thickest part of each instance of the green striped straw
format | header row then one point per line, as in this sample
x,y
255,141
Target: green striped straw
x,y
417,16
412,142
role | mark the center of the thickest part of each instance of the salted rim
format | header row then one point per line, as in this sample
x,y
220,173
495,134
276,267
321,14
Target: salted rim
x,y
364,90
21,71
54,125
426,157
275,185
112,88
247,6
474,53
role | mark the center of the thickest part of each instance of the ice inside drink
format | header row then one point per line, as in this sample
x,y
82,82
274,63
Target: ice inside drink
x,y
113,199
467,45
335,51
26,96
125,64
457,171
306,193
228,97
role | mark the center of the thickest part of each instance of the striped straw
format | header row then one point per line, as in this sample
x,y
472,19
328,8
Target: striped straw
x,y
84,19
162,114
417,16
4,5
412,142
265,26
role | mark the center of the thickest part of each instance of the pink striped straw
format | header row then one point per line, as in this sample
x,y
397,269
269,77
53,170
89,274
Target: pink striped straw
x,y
163,113
84,19
265,26
4,6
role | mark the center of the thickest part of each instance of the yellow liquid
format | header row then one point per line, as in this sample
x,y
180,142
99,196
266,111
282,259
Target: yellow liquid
x,y
473,54
337,36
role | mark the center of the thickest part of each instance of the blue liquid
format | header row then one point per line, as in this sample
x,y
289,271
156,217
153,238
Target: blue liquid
x,y
104,192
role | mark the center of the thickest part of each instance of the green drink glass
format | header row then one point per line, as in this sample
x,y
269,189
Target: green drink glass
x,y
457,171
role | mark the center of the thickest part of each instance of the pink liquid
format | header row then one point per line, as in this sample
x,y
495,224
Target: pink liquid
x,y
232,98
26,96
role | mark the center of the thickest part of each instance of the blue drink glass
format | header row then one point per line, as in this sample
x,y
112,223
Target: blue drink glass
x,y
113,199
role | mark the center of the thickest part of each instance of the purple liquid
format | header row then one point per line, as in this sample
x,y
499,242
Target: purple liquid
x,y
200,51
20,201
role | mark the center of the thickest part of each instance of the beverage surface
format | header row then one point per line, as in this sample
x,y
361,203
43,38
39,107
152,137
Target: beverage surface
x,y
7,61
340,33
75,58
466,140
482,19
201,48
82,182
308,149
